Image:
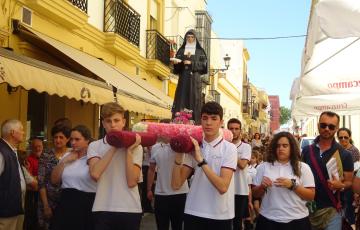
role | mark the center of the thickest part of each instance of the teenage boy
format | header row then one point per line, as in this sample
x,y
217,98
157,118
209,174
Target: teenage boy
x,y
117,170
241,175
210,201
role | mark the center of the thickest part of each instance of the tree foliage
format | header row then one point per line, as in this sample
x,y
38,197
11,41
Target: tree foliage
x,y
285,115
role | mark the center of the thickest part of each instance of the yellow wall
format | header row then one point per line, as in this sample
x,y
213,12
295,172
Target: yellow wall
x,y
172,89
13,105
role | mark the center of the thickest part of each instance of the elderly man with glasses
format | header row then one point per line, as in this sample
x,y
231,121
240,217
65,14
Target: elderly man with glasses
x,y
325,157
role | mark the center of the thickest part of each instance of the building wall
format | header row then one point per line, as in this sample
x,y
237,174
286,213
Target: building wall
x,y
89,38
275,112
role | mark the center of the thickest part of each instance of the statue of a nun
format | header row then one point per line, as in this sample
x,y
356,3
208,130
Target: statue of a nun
x,y
190,63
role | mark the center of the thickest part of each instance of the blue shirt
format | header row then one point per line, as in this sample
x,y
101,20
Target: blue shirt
x,y
321,198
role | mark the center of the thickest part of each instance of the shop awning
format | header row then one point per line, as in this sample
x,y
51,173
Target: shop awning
x,y
134,93
18,70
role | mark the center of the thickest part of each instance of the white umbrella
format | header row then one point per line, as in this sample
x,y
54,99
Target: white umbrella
x,y
330,75
334,14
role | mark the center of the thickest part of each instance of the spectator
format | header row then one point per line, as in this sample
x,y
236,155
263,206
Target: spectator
x,y
12,179
77,188
328,187
256,142
344,137
32,195
49,193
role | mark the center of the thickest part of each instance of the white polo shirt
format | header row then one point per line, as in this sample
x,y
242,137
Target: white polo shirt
x,y
163,156
281,204
76,175
203,199
252,172
240,176
113,193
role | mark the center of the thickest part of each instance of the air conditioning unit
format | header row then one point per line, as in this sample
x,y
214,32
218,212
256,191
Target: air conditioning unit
x,y
26,16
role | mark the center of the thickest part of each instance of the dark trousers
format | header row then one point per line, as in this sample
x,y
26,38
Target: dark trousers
x,y
31,210
198,223
117,220
74,211
349,209
266,224
169,209
145,202
241,205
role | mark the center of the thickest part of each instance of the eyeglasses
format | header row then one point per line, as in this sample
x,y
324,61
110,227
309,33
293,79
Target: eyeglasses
x,y
343,137
330,126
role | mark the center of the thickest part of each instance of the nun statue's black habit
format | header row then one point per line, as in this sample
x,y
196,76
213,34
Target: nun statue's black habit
x,y
193,64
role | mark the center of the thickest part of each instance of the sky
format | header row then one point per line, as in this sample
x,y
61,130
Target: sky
x,y
273,64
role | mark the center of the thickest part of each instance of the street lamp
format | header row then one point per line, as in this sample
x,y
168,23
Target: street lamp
x,y
227,64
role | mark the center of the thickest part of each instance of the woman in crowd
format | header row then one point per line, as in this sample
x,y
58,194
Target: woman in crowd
x,y
78,189
49,193
285,184
256,142
344,137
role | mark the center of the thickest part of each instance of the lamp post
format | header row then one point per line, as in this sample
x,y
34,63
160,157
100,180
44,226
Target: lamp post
x,y
212,73
227,64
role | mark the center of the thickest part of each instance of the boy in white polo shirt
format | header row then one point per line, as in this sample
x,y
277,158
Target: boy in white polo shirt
x,y
240,176
117,170
210,201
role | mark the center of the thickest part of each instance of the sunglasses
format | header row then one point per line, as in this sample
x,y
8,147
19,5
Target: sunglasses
x,y
343,137
330,126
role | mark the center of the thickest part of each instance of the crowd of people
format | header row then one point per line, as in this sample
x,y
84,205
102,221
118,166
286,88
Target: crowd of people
x,y
263,183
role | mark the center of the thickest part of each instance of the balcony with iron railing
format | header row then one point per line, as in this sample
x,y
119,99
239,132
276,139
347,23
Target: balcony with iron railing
x,y
121,19
81,4
157,47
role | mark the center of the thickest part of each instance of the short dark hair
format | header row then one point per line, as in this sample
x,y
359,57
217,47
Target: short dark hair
x,y
234,120
212,108
330,114
61,129
84,131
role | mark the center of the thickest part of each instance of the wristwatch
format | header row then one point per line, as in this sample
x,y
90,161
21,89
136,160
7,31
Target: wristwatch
x,y
293,184
203,162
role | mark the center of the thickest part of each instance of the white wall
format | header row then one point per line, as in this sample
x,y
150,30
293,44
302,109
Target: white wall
x,y
180,16
140,6
96,13
235,51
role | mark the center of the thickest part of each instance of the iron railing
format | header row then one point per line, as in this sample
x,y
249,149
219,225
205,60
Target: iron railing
x,y
120,18
81,4
157,47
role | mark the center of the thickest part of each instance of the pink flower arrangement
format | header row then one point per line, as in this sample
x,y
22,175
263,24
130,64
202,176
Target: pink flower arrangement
x,y
183,117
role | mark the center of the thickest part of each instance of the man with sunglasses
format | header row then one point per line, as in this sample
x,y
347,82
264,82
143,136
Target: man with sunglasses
x,y
327,214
